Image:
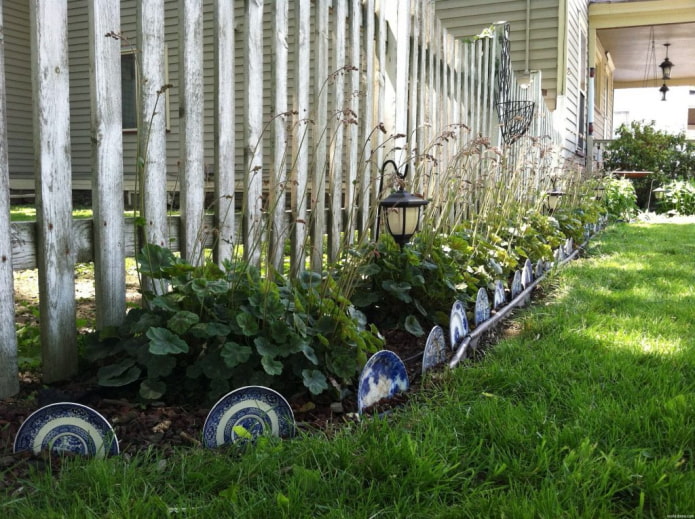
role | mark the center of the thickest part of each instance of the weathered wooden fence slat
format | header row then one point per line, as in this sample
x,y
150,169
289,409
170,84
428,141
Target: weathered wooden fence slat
x,y
191,120
367,178
353,83
225,131
336,151
353,164
9,382
320,137
278,175
300,178
253,104
54,188
107,131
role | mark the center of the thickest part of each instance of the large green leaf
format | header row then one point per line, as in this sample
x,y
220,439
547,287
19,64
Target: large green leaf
x,y
271,366
299,324
121,374
181,321
314,380
248,324
412,326
153,259
164,342
235,354
160,366
265,347
152,389
397,289
310,354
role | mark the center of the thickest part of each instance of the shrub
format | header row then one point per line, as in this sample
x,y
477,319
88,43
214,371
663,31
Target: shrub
x,y
679,196
620,198
217,329
640,146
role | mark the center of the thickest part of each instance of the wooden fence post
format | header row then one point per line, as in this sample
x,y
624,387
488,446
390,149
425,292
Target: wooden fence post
x,y
151,156
191,129
353,165
9,382
278,177
107,188
337,133
301,136
253,103
54,188
367,178
318,187
225,178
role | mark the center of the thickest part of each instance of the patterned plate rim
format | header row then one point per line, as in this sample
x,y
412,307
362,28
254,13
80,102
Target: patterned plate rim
x,y
98,420
281,399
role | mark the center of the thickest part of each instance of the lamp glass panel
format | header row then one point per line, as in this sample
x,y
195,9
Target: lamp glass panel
x,y
403,221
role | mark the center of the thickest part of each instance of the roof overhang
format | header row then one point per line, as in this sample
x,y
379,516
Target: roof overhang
x,y
625,31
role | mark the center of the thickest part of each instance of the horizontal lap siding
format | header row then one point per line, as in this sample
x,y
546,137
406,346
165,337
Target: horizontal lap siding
x,y
466,18
18,91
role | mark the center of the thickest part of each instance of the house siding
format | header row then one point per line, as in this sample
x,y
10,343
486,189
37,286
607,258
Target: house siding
x,y
18,91
577,76
466,18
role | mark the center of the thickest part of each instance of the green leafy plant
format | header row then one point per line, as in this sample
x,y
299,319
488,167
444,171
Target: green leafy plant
x,y
217,329
620,198
640,146
410,288
679,197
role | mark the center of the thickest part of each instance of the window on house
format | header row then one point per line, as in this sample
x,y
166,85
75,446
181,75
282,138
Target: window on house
x,y
129,91
691,118
129,100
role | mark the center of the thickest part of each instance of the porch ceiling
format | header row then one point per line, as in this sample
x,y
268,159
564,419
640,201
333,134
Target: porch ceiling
x,y
624,30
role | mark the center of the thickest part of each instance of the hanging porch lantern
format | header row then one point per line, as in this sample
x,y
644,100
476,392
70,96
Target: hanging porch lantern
x,y
663,91
666,66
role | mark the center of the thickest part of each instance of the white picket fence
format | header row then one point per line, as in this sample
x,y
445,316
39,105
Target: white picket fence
x,y
414,82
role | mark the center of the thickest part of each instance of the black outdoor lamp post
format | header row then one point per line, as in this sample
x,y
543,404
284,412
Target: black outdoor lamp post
x,y
402,209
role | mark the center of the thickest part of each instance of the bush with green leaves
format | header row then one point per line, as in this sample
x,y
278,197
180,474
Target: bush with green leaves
x,y
413,288
679,197
620,198
218,329
410,288
639,146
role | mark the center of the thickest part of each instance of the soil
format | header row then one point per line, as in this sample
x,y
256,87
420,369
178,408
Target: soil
x,y
141,426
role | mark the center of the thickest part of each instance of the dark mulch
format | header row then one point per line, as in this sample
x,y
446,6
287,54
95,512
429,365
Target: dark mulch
x,y
141,426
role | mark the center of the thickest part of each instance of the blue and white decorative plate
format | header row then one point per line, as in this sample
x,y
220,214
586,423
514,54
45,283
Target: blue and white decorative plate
x,y
458,324
527,274
435,349
540,268
482,307
516,284
383,376
500,295
246,413
66,427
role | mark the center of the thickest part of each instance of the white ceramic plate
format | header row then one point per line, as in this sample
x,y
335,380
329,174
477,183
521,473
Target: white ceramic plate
x,y
67,427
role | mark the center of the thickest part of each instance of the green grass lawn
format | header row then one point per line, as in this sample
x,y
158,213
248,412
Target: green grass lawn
x,y
587,411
